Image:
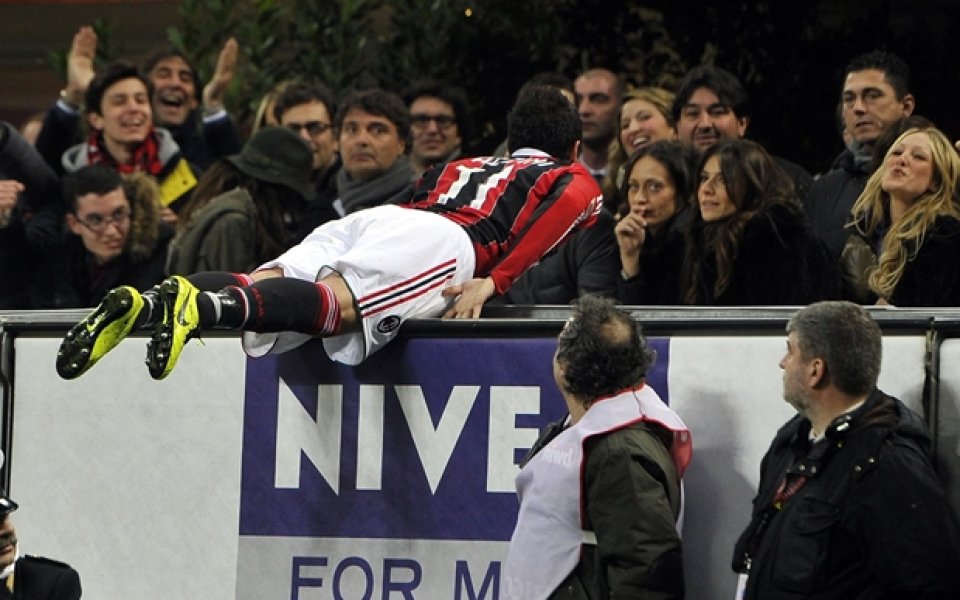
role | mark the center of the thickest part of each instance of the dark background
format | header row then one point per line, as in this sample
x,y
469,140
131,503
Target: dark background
x,y
789,54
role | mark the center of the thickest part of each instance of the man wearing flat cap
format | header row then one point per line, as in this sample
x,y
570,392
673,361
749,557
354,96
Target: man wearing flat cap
x,y
24,577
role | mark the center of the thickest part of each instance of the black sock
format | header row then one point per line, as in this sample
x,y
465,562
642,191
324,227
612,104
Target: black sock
x,y
214,281
271,305
152,310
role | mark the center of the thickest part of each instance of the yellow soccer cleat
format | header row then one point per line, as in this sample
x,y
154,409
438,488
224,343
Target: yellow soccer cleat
x,y
180,323
99,332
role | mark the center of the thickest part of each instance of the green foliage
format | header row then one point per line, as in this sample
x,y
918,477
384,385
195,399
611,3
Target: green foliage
x,y
488,47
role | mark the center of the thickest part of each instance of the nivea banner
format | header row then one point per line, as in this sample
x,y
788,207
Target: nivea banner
x,y
394,479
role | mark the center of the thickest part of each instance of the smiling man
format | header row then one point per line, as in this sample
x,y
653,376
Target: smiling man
x,y
199,122
875,94
203,133
115,237
373,126
438,123
712,105
123,136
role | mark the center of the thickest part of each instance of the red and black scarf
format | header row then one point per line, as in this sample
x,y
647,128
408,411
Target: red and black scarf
x,y
146,156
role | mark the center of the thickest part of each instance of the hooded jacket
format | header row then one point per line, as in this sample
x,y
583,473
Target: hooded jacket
x,y
871,520
70,278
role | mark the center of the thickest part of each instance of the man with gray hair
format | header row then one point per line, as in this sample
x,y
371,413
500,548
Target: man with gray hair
x,y
849,505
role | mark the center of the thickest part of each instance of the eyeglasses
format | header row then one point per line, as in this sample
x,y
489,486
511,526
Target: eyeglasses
x,y
99,223
312,127
422,120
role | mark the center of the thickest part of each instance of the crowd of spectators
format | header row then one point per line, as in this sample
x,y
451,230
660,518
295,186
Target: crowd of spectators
x,y
696,213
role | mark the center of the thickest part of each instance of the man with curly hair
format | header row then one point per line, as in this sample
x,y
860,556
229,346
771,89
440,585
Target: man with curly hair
x,y
600,495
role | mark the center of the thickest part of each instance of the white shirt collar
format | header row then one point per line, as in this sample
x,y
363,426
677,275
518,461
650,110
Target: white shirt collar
x,y
529,153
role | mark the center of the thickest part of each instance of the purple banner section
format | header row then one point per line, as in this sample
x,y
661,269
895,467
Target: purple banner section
x,y
397,476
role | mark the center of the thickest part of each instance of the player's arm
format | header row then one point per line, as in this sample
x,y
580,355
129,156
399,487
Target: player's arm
x,y
577,204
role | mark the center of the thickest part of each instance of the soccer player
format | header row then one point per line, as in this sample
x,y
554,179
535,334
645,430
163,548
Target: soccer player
x,y
467,232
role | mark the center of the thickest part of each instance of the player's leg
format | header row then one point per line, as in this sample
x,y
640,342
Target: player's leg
x,y
121,311
271,303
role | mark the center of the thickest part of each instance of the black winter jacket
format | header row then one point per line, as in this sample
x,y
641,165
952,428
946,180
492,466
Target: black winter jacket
x,y
870,522
931,276
661,260
35,222
779,262
831,197
70,278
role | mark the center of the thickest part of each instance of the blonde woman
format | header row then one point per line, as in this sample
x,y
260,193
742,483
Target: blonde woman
x,y
908,222
645,118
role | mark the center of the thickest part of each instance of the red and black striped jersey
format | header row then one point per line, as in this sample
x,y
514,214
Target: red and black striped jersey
x,y
515,210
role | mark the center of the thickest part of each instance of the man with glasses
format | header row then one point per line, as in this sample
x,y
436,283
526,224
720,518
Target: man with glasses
x,y
307,108
116,237
438,123
26,577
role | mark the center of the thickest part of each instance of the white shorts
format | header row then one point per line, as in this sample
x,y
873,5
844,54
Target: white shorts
x,y
396,261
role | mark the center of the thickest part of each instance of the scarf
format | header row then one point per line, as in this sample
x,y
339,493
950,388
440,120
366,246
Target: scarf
x,y
146,156
356,195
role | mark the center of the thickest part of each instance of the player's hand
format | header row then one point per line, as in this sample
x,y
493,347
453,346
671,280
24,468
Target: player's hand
x,y
226,66
470,297
631,232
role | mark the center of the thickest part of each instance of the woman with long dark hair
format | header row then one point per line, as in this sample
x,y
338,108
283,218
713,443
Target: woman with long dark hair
x,y
749,240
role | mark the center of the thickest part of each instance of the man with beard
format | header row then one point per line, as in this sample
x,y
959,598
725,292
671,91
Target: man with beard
x,y
598,93
849,506
175,101
24,577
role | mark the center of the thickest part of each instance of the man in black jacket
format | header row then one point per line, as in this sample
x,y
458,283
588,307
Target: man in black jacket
x,y
849,506
24,577
875,94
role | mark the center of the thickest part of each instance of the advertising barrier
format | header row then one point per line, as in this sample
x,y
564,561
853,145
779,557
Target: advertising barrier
x,y
295,477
